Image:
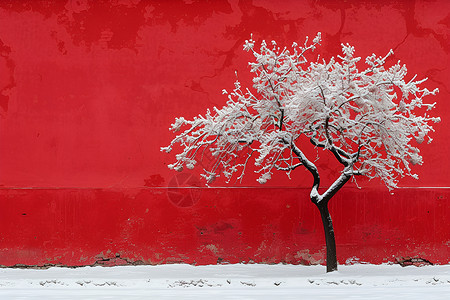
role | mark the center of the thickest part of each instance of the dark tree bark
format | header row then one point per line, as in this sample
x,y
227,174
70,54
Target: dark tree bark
x,y
321,201
329,236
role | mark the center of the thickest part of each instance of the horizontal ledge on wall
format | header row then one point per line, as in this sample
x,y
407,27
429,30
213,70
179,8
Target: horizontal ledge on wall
x,y
214,187
359,189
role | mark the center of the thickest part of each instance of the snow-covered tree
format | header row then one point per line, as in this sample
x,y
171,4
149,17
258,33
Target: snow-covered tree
x,y
371,121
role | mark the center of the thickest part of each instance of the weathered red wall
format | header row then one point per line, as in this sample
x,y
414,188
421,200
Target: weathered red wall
x,y
272,225
88,90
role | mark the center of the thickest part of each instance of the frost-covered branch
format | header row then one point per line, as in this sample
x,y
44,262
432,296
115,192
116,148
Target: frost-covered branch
x,y
370,120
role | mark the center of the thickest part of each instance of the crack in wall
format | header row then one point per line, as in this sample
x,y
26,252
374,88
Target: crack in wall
x,y
118,260
413,261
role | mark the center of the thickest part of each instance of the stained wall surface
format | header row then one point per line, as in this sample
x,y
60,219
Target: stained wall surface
x,y
88,90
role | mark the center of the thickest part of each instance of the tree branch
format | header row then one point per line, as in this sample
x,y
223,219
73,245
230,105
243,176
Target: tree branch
x,y
290,168
336,186
333,149
311,167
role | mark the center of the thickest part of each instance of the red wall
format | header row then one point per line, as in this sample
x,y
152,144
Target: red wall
x,y
88,90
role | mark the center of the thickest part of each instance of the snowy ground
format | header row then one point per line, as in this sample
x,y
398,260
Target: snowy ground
x,y
228,282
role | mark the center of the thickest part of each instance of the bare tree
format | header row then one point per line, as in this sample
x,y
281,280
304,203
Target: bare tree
x,y
367,119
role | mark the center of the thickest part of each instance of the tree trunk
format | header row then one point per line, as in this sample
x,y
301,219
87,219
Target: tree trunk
x,y
329,236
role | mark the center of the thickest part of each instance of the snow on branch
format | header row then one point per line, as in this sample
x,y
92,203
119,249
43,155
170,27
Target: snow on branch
x,y
370,120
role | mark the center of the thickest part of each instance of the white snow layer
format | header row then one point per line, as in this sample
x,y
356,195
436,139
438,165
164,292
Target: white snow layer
x,y
218,282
